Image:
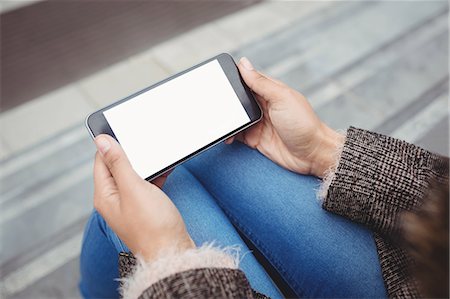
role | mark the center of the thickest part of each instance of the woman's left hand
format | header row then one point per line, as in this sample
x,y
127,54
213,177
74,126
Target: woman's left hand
x,y
139,212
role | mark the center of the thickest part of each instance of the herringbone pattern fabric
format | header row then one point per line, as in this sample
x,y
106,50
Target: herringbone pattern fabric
x,y
379,177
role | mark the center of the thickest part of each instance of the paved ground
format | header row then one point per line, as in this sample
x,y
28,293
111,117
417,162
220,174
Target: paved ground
x,y
375,65
42,52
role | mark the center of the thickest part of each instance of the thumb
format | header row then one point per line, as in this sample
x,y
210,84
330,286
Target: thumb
x,y
117,162
268,89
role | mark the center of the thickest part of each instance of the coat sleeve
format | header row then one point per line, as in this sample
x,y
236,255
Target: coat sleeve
x,y
206,272
378,177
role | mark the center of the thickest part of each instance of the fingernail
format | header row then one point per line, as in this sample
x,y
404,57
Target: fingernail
x,y
103,145
247,64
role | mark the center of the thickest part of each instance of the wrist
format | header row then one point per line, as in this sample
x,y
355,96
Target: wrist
x,y
152,253
329,144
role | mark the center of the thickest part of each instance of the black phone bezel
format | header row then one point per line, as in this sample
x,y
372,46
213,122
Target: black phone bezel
x,y
97,124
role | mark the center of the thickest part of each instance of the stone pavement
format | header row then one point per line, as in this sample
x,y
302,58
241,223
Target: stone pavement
x,y
376,65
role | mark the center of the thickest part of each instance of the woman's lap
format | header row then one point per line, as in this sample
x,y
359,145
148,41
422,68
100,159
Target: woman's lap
x,y
319,254
205,221
99,266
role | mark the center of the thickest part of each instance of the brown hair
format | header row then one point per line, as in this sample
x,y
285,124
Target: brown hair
x,y
425,235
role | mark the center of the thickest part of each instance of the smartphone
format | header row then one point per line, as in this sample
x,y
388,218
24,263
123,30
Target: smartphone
x,y
171,121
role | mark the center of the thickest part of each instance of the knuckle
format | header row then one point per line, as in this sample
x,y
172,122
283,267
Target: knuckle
x,y
289,93
260,80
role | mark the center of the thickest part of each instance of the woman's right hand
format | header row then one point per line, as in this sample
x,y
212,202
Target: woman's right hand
x,y
290,133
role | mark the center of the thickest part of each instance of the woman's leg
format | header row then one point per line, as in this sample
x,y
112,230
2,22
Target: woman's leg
x,y
319,254
99,267
204,219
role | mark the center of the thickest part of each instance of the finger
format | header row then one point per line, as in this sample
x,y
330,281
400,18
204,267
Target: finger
x,y
274,80
159,181
117,163
101,173
239,137
229,140
268,89
104,186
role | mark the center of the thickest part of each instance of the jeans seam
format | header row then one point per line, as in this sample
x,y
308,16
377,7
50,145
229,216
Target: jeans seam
x,y
120,242
265,252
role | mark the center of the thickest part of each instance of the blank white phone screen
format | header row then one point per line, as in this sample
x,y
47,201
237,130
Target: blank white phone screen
x,y
167,123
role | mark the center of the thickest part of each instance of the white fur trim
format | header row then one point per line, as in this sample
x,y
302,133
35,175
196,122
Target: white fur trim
x,y
330,172
147,273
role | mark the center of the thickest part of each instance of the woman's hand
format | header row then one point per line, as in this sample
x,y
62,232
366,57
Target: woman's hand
x,y
138,211
290,133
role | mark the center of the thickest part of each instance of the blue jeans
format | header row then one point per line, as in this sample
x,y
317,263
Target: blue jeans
x,y
231,186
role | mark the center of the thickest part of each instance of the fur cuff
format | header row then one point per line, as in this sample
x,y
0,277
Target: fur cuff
x,y
145,274
330,173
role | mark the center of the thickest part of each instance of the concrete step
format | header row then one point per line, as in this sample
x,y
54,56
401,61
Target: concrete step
x,y
391,77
